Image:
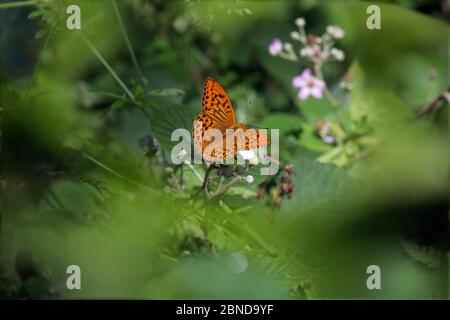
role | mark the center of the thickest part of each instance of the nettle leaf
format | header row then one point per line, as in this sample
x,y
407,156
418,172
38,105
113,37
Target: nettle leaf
x,y
317,185
166,92
166,119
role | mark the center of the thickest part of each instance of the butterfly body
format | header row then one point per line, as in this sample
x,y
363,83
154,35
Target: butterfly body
x,y
215,132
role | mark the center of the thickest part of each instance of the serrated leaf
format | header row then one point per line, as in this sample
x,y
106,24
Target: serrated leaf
x,y
166,119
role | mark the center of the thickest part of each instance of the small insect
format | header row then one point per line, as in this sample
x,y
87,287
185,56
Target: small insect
x,y
217,113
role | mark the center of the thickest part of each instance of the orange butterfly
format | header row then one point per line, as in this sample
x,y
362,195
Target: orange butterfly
x,y
217,113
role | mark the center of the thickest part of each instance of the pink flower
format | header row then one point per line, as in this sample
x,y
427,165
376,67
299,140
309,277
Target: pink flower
x,y
329,139
275,47
308,85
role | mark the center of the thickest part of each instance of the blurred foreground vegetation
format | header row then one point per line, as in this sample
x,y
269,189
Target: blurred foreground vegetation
x,y
87,177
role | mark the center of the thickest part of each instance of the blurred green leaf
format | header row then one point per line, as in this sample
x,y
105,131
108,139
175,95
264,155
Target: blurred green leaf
x,y
317,186
118,104
285,122
167,92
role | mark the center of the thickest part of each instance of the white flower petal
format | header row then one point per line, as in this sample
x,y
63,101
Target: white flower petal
x,y
317,92
304,93
299,82
300,22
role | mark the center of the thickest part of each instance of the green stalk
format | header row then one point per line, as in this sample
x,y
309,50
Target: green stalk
x,y
331,99
127,41
18,4
109,68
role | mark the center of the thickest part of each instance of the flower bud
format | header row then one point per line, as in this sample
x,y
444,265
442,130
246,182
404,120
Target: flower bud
x,y
300,22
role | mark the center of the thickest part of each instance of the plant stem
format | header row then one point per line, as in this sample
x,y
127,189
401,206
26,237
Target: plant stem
x,y
18,4
193,170
108,67
128,43
221,190
39,61
331,99
206,179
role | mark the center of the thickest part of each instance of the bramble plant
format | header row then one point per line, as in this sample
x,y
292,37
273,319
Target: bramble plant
x,y
315,51
100,141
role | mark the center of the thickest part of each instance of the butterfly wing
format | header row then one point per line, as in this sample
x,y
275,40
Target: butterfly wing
x,y
248,140
217,113
254,138
218,150
217,105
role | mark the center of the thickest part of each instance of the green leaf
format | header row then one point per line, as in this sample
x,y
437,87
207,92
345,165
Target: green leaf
x,y
36,13
316,110
167,92
166,119
430,256
40,34
383,110
317,185
118,104
310,140
138,91
285,122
